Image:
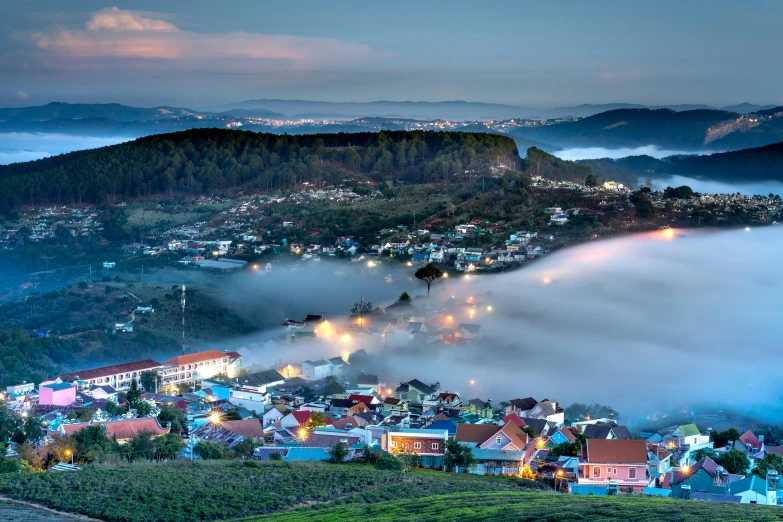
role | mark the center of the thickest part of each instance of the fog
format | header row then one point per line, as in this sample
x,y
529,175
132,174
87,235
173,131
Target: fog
x,y
641,322
24,146
719,187
586,153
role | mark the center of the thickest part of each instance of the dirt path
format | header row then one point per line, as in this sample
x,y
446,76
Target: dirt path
x,y
74,516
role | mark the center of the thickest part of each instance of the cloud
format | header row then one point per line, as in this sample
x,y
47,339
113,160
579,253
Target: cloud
x,y
116,33
23,95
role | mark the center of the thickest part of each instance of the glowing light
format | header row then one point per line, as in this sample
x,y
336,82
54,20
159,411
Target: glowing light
x,y
255,267
371,264
214,417
449,318
302,433
546,281
668,233
409,263
345,356
325,330
560,473
389,391
346,338
445,275
67,453
489,308
472,381
471,313
467,276
686,469
540,443
747,229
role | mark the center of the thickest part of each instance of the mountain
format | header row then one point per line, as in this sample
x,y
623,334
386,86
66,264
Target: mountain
x,y
459,110
209,161
685,130
113,111
746,108
756,164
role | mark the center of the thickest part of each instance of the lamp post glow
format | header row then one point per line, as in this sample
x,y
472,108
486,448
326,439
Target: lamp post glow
x,y
69,453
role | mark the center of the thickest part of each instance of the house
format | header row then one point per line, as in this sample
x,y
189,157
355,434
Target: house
x,y
393,406
521,407
498,450
558,219
369,382
561,436
57,393
478,407
706,476
229,433
445,400
322,368
121,430
751,445
348,423
274,414
623,462
295,420
427,445
469,332
417,392
606,430
103,391
687,435
444,424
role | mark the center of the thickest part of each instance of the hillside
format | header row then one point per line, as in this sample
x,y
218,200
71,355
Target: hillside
x,y
206,161
756,164
229,490
685,130
113,111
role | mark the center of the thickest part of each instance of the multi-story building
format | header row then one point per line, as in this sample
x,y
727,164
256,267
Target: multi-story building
x,y
118,376
200,365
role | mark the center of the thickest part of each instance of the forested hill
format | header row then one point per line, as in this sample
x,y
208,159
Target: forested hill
x,y
757,164
215,160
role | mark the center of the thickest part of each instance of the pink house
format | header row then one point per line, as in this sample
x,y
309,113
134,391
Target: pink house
x,y
57,393
623,461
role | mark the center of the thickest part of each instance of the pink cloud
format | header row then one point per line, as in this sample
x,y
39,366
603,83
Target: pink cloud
x,y
116,33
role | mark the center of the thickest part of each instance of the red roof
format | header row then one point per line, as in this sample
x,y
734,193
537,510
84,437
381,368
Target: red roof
x,y
302,416
511,417
749,439
616,451
106,371
196,357
366,399
126,429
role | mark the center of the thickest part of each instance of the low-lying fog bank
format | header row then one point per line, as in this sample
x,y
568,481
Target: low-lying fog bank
x,y
639,322
16,147
718,187
587,153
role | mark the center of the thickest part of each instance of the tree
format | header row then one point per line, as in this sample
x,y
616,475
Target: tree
x,y
361,308
316,420
141,446
150,381
566,449
232,414
644,207
113,409
172,417
245,447
404,298
722,438
168,446
133,399
457,454
338,453
592,181
332,386
735,462
208,450
428,274
275,456
530,430
772,461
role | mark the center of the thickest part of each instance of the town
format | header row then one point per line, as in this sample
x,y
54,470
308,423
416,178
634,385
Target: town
x,y
206,405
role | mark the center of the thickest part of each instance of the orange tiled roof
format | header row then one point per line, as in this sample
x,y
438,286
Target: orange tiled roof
x,y
196,357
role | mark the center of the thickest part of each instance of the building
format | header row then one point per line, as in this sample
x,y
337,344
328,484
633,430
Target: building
x,y
200,365
118,376
321,368
57,393
615,461
427,445
498,450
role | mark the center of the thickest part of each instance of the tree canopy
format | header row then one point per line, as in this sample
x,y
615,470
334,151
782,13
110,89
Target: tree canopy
x,y
428,274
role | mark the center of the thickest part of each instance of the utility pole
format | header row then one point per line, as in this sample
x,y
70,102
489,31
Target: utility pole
x,y
361,312
183,319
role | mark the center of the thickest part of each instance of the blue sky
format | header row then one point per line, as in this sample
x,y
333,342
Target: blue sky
x,y
540,54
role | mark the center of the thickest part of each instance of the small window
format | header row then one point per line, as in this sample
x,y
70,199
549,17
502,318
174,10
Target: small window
x,y
417,445
596,472
394,444
498,440
631,473
435,445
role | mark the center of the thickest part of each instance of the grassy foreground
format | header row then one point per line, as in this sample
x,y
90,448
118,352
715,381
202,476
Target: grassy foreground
x,y
184,491
509,506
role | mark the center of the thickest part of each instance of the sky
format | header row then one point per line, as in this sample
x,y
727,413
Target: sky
x,y
538,54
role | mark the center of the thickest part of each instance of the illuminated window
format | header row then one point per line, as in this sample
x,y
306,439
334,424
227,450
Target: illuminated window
x,y
631,473
394,444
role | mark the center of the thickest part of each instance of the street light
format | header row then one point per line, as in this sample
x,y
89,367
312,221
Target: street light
x,y
560,477
302,434
69,453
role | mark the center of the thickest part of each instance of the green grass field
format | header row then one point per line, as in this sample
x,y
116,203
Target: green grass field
x,y
253,491
509,506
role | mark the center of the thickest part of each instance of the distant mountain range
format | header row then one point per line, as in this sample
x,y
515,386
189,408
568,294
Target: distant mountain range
x,y
691,130
746,165
296,109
